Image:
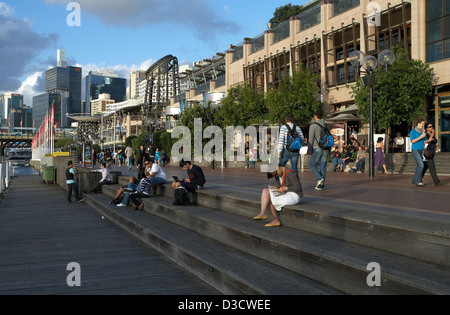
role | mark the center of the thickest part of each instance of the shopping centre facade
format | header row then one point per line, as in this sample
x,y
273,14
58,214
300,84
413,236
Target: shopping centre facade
x,y
323,37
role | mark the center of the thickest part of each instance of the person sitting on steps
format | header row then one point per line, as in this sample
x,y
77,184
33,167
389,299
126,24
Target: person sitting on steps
x,y
287,193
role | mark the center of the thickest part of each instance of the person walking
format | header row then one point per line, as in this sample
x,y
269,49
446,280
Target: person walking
x,y
418,137
163,157
71,181
431,141
379,157
319,156
129,153
285,153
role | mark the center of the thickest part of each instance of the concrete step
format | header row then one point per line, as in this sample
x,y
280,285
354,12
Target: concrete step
x,y
364,224
225,268
339,264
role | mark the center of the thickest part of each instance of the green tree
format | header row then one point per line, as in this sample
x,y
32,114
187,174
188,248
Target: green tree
x,y
241,107
64,143
398,95
283,13
297,94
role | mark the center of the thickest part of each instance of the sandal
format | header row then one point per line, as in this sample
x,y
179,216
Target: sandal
x,y
140,207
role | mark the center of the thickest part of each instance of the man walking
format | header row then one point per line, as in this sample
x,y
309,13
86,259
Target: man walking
x,y
71,178
319,155
285,153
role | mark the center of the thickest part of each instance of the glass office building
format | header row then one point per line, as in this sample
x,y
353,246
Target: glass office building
x,y
63,85
99,84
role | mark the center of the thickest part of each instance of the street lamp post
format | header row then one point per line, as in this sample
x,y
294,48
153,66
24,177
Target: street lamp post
x,y
386,58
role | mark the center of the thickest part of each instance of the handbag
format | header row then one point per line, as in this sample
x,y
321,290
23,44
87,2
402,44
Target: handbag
x,y
427,153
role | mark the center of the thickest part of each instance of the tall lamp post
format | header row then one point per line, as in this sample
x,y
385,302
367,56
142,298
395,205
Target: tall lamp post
x,y
213,108
370,64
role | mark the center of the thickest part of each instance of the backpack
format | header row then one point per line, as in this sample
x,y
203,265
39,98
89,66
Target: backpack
x,y
326,140
181,197
293,143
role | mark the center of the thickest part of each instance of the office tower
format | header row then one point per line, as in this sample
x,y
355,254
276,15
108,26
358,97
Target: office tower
x,y
61,59
63,88
104,82
9,101
136,77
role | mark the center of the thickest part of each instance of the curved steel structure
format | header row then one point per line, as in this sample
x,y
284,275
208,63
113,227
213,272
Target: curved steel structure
x,y
162,83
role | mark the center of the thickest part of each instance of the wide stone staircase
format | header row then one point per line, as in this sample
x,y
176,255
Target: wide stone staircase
x,y
344,249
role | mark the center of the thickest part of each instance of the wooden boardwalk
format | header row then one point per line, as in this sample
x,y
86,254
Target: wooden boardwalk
x,y
40,234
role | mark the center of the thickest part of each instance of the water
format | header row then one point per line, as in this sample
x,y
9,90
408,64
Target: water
x,y
24,170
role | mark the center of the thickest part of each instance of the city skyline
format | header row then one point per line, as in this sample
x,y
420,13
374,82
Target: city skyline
x,y
119,35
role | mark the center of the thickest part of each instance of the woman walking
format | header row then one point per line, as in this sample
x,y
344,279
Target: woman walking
x,y
429,162
418,137
379,158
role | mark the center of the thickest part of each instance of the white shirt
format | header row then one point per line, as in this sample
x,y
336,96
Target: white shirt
x,y
399,141
156,168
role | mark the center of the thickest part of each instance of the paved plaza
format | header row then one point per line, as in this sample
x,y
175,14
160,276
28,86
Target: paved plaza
x,y
41,234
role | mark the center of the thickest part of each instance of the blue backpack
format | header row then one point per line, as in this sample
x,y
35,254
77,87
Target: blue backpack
x,y
293,143
326,140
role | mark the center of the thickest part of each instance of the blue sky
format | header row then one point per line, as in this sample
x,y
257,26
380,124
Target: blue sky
x,y
119,34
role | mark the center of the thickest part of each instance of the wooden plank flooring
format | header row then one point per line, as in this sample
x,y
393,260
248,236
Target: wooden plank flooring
x,y
40,234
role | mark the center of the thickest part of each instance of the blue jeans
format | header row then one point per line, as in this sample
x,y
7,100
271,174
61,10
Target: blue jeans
x,y
418,175
126,198
360,165
293,156
157,181
335,163
319,157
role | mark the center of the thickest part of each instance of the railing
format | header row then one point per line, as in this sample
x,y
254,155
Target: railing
x,y
6,171
310,17
258,44
220,81
201,88
238,53
340,6
281,32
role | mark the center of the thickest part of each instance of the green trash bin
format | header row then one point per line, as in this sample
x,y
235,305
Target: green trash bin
x,y
49,174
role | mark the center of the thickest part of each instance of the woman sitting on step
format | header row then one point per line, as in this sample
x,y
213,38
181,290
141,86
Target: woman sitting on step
x,y
287,193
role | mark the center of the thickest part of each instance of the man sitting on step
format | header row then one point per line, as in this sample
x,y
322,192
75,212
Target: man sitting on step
x,y
196,178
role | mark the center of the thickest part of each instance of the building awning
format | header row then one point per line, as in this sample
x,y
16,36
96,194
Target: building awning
x,y
84,118
345,117
353,109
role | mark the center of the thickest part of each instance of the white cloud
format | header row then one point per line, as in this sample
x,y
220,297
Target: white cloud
x,y
19,45
34,84
30,87
205,22
5,9
122,70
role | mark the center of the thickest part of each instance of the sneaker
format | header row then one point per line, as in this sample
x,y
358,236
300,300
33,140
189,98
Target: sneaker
x,y
319,188
126,189
80,200
121,205
320,184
